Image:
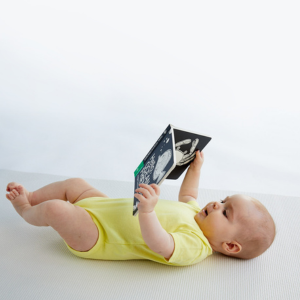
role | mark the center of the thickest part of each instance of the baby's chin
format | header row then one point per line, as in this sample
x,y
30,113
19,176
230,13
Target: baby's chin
x,y
196,218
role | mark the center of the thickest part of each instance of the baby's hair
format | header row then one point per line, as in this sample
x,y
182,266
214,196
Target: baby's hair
x,y
257,234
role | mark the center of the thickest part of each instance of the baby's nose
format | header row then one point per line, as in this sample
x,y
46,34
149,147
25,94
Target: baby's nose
x,y
216,205
213,206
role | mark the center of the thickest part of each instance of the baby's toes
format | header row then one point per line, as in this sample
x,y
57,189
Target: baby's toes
x,y
15,193
20,189
11,186
9,197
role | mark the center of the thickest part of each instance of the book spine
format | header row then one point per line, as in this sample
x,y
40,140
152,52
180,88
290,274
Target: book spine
x,y
173,154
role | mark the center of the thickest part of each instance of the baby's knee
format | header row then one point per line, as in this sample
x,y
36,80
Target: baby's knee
x,y
56,210
75,181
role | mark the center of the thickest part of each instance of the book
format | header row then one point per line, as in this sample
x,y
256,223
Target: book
x,y
168,158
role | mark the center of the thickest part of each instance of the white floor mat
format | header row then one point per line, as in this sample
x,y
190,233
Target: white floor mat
x,y
35,263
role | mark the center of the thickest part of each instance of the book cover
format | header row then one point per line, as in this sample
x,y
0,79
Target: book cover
x,y
168,158
186,145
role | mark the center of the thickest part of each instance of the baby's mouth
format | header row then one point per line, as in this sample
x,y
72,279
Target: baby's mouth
x,y
204,212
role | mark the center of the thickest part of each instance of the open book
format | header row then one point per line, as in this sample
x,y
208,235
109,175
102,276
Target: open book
x,y
168,158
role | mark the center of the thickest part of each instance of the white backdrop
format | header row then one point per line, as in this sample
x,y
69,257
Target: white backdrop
x,y
87,87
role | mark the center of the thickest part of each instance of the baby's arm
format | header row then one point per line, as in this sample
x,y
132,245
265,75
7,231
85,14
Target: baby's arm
x,y
190,184
157,239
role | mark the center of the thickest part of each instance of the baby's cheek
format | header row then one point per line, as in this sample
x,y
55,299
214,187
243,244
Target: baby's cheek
x,y
211,228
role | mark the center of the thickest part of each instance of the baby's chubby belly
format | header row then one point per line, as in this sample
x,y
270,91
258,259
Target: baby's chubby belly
x,y
119,226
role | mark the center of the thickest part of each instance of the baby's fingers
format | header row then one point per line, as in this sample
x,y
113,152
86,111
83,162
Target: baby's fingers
x,y
198,161
199,155
202,155
140,197
156,188
143,191
148,188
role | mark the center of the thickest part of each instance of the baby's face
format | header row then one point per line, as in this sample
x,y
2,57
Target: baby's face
x,y
221,221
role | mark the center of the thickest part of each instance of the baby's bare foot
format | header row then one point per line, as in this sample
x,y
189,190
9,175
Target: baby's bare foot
x,y
18,197
13,185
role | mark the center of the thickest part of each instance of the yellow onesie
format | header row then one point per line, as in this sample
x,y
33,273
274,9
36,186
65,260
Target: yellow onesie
x,y
120,236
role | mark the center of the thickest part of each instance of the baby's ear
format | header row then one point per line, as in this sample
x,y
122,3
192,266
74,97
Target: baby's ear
x,y
232,247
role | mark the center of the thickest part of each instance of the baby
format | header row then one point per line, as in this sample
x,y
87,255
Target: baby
x,y
169,232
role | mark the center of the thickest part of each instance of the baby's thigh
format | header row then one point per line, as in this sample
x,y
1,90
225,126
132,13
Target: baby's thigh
x,y
78,189
73,223
90,193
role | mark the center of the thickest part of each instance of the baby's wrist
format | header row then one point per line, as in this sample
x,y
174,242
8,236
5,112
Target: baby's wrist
x,y
146,212
195,168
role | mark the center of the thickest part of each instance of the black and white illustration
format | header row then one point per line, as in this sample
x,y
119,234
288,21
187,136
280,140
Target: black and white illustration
x,y
162,161
158,163
144,175
186,145
185,157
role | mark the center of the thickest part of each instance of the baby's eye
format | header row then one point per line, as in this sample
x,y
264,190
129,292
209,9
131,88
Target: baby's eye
x,y
222,201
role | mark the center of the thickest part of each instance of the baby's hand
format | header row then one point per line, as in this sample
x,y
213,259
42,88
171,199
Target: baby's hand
x,y
198,161
149,197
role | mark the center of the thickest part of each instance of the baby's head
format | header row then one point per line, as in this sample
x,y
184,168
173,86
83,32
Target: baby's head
x,y
238,226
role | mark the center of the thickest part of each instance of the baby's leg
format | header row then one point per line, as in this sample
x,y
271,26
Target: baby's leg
x,y
73,223
72,190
